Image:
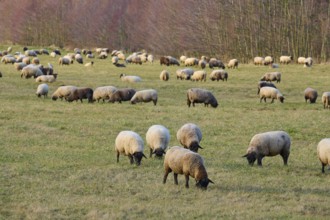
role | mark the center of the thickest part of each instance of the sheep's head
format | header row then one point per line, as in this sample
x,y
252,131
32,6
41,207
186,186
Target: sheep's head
x,y
159,152
251,156
281,98
194,146
137,156
54,97
203,183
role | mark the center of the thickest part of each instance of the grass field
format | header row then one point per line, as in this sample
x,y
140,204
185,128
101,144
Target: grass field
x,y
58,159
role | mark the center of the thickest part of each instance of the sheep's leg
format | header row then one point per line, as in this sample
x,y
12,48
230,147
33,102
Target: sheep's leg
x,y
260,159
131,159
272,100
155,102
117,156
323,165
187,181
175,178
165,175
285,157
150,153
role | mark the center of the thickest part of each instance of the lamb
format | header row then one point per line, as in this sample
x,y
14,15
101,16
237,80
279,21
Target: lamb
x,y
164,75
120,95
103,92
326,100
31,71
323,152
189,136
158,138
219,75
184,73
199,75
270,92
52,54
308,62
114,59
89,64
258,61
311,95
79,58
216,63
80,94
103,55
188,163
268,60
272,76
191,61
63,92
130,144
42,90
147,95
233,63
196,95
46,78
285,59
263,84
130,79
301,60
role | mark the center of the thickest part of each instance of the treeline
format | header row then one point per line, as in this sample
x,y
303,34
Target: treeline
x,y
225,29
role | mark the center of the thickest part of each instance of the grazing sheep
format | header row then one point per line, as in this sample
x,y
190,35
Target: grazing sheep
x,y
26,60
164,75
196,95
35,61
270,92
89,64
308,62
191,61
216,63
268,60
147,95
121,95
273,76
285,59
79,58
173,61
189,135
143,57
188,163
323,152
103,55
80,94
183,59
184,73
258,61
103,92
326,100
311,95
130,144
53,54
158,138
121,56
150,58
44,51
46,78
199,75
31,70
19,66
90,56
268,144
202,64
8,59
114,59
264,84
30,53
219,75
301,60
63,92
64,61
47,70
42,90
165,61
57,52
232,64
130,79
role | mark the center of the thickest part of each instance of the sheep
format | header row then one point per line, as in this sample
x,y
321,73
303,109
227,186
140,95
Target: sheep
x,y
31,71
323,152
46,78
150,58
9,49
173,61
146,95
258,61
308,62
232,64
202,64
272,76
19,66
103,93
197,95
120,95
30,53
89,64
219,75
44,51
216,63
130,79
263,84
274,66
26,60
270,92
188,163
103,55
130,144
164,75
121,56
8,59
183,59
57,52
189,136
53,54
143,57
184,73
268,144
199,75
63,92
158,138
268,60
164,60
311,95
326,100
35,61
80,94
90,56
285,59
42,90
191,61
301,60
64,61
114,59
47,70
79,58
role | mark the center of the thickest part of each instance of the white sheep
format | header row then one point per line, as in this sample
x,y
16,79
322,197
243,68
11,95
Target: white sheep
x,y
64,61
264,84
202,64
268,60
130,79
8,59
89,64
199,75
42,90
158,138
35,61
121,56
184,73
79,58
272,93
219,75
308,62
52,54
46,78
63,92
31,70
103,92
19,66
183,59
268,144
164,75
114,59
147,95
326,100
323,152
31,53
183,161
130,144
233,63
301,60
258,61
285,59
272,76
190,135
191,61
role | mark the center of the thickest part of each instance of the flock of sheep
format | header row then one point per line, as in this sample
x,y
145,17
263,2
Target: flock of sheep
x,y
179,160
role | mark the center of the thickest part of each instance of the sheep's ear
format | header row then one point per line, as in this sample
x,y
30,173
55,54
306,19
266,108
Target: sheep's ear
x,y
210,181
144,155
245,155
200,147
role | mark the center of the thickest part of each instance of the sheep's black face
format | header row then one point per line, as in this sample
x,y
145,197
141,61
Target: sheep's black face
x,y
159,152
138,157
251,157
203,183
282,99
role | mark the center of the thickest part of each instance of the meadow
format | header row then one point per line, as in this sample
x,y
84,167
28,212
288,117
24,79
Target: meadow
x,y
58,160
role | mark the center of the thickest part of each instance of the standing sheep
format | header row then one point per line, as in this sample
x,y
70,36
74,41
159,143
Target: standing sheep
x,y
79,58
184,73
311,95
301,60
202,64
264,84
268,60
323,152
326,100
130,144
80,94
189,135
285,59
63,92
103,92
219,75
130,79
31,70
308,62
147,95
183,59
188,163
42,90
158,138
216,63
268,144
164,75
165,61
199,75
232,64
270,92
273,76
197,95
150,58
258,61
121,95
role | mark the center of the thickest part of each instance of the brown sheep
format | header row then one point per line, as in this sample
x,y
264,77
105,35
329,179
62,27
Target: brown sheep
x,y
165,61
311,95
122,95
80,94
